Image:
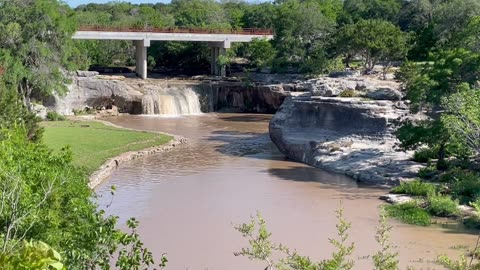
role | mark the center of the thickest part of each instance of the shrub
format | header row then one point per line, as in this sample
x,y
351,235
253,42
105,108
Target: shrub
x,y
415,188
348,93
476,205
472,222
428,172
410,213
32,255
464,185
424,155
442,205
54,116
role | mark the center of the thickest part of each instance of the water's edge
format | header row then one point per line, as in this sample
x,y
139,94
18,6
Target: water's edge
x,y
106,169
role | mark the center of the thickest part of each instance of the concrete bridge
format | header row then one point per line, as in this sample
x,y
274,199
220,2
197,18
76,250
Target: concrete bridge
x,y
218,40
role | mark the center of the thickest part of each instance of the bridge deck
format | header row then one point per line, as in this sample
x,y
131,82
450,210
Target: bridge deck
x,y
171,34
219,40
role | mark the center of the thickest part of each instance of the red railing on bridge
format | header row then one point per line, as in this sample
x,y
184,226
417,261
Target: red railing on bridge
x,y
242,31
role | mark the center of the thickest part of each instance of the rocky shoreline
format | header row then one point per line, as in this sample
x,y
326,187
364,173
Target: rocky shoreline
x,y
348,135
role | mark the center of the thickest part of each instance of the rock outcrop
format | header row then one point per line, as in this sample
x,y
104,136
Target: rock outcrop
x,y
87,90
352,136
157,96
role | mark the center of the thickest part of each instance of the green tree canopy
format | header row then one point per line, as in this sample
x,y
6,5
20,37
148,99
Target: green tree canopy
x,y
374,41
36,54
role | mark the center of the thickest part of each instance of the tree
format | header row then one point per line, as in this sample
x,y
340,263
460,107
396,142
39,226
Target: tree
x,y
462,116
356,10
260,52
45,198
260,16
449,72
452,17
13,113
40,51
199,13
302,33
375,41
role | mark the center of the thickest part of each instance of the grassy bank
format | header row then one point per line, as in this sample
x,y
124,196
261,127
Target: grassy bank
x,y
92,143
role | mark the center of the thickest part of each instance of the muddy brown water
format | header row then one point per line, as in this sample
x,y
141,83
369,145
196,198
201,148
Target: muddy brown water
x,y
188,199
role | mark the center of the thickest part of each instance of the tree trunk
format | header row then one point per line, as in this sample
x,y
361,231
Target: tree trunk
x,y
441,163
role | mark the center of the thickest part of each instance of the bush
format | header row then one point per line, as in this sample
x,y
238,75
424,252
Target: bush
x,y
442,205
424,155
46,198
472,222
54,116
415,188
348,93
409,213
32,255
428,172
464,185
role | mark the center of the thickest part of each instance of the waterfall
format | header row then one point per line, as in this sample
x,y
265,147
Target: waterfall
x,y
171,101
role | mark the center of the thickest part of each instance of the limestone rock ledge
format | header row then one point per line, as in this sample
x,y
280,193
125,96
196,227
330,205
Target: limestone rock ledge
x,y
352,136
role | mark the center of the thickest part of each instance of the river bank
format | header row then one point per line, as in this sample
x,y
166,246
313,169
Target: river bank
x,y
99,146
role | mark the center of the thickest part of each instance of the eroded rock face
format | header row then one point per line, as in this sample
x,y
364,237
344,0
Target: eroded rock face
x,y
93,92
137,96
350,136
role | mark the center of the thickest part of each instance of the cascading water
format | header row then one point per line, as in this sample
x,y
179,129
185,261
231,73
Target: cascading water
x,y
171,101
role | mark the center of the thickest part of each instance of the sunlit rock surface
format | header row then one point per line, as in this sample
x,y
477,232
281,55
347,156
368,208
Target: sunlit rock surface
x,y
346,135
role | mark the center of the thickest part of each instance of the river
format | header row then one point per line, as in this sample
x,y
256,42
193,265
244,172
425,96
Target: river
x,y
189,199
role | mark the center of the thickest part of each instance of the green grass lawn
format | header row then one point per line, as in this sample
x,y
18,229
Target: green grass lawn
x,y
92,143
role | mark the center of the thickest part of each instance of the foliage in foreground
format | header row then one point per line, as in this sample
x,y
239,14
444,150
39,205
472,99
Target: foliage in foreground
x,y
261,248
32,255
46,199
386,258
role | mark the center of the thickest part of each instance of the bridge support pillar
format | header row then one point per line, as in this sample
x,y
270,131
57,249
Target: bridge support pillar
x,y
218,49
141,57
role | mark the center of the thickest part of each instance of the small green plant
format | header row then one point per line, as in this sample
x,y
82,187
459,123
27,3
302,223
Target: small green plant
x,y
470,262
442,205
348,93
410,213
465,186
385,258
424,155
260,248
476,205
344,249
133,255
428,172
54,116
415,188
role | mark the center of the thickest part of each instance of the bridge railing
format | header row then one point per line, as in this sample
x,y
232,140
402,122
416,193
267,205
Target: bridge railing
x,y
242,31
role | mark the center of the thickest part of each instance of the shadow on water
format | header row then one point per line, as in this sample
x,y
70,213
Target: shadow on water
x,y
243,144
348,188
248,118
